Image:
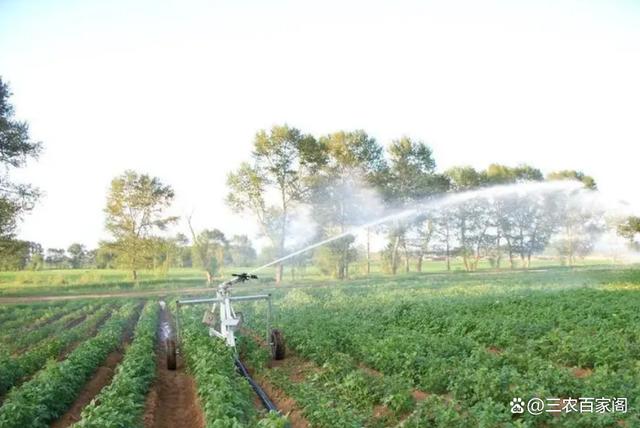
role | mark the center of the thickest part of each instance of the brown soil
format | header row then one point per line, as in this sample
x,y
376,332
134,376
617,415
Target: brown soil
x,y
285,404
381,411
419,395
580,372
369,370
172,401
494,350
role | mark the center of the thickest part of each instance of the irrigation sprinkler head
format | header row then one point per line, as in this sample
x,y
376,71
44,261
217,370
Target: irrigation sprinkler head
x,y
242,277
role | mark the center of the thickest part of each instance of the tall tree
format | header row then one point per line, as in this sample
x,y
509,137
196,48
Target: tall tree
x,y
411,177
630,229
283,160
184,256
56,258
578,228
242,251
209,247
17,255
105,255
77,255
16,148
464,178
514,219
135,211
343,192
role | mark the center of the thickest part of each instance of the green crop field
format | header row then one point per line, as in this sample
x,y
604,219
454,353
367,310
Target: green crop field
x,y
414,350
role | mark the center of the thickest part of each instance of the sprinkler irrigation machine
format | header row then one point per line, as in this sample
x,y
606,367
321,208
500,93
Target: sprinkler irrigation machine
x,y
229,321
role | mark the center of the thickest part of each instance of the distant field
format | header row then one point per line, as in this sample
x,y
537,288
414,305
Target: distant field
x,y
88,281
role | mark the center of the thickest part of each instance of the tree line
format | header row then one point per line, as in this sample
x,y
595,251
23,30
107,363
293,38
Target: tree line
x,y
165,253
300,189
338,175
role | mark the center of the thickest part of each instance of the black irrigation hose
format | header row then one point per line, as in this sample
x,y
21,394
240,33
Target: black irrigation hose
x,y
266,401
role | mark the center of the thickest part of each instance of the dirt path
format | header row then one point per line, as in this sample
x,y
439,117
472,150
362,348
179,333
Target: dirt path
x,y
172,401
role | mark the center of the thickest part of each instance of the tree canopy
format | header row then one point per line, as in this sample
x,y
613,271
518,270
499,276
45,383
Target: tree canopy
x,y
135,210
16,148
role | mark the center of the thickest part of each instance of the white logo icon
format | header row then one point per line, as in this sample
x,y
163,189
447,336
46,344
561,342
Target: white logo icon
x,y
517,405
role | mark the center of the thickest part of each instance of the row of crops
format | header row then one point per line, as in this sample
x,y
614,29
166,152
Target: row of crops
x,y
470,354
226,398
398,355
50,352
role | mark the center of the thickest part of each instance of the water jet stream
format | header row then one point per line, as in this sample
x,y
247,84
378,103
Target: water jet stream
x,y
448,200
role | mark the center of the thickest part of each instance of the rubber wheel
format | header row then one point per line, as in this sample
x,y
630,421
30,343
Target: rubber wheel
x,y
171,354
277,345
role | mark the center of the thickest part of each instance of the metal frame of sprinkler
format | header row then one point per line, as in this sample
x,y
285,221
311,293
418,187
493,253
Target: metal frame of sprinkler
x,y
230,322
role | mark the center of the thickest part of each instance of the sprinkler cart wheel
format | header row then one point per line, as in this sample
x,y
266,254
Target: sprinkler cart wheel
x,y
277,345
171,354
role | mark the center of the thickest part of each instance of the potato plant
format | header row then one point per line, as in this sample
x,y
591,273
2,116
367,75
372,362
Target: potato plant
x,y
53,389
121,403
14,369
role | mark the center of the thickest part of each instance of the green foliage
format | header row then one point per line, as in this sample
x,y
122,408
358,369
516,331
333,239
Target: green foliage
x,y
629,230
53,389
225,396
283,161
134,212
16,147
208,250
16,254
14,369
77,255
472,342
588,181
241,251
46,327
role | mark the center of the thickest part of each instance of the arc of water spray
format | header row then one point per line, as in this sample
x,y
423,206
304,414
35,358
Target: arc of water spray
x,y
447,200
402,214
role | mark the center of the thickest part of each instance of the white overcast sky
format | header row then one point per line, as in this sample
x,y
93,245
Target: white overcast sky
x,y
178,89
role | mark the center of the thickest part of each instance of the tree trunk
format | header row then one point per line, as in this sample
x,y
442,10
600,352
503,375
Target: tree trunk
x,y
510,250
406,257
368,253
394,255
135,275
345,261
522,251
498,251
419,265
279,273
448,250
209,277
